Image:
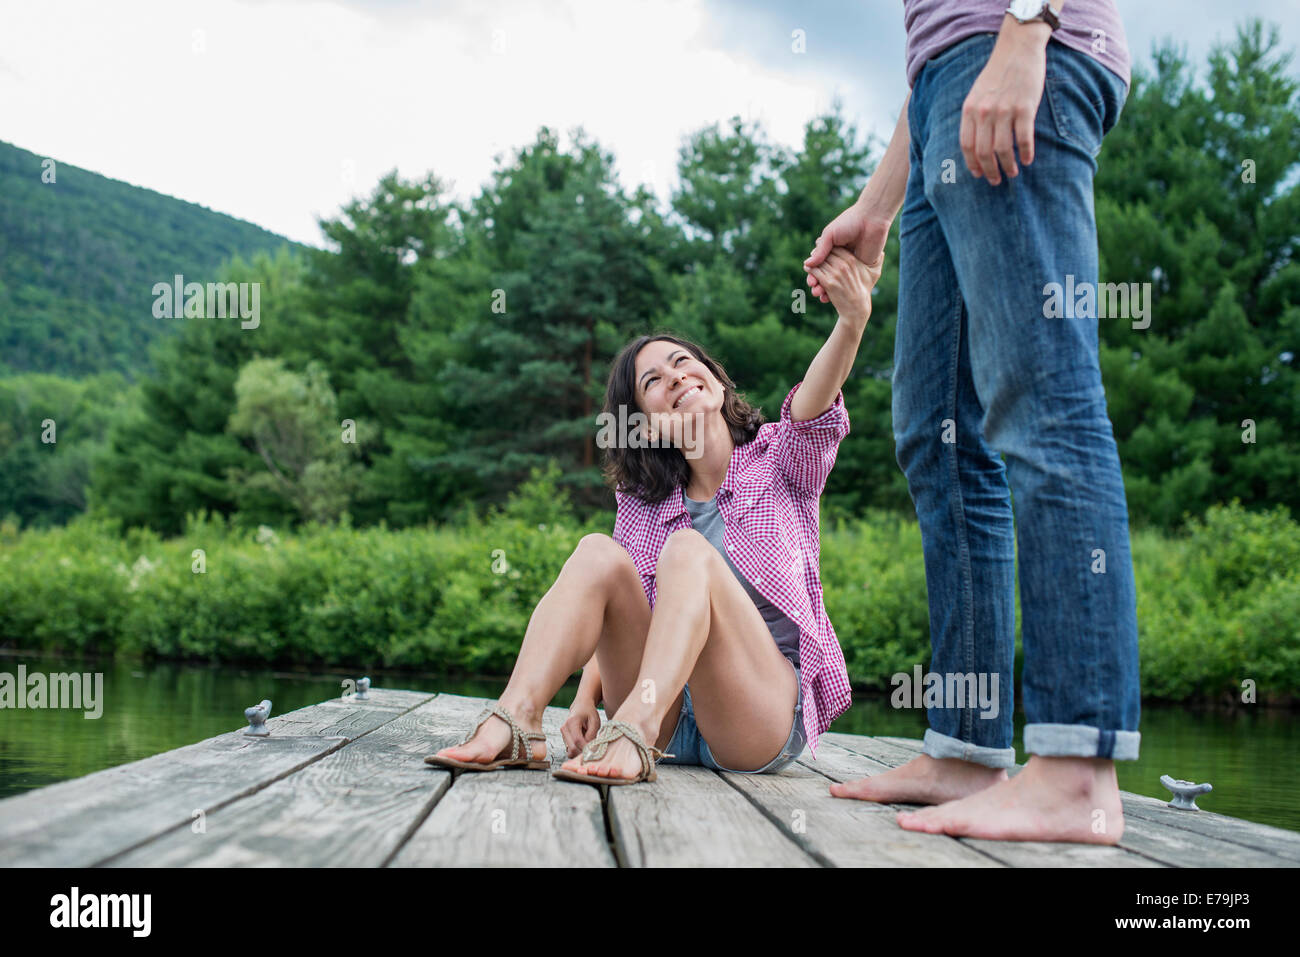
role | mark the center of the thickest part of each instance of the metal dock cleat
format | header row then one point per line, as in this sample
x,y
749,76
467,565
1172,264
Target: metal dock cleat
x,y
363,688
257,716
1184,792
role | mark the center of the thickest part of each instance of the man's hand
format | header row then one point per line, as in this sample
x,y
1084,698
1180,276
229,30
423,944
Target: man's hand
x,y
857,230
998,115
581,725
849,283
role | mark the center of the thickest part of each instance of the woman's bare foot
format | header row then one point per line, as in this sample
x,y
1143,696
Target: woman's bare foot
x,y
492,740
1052,799
923,780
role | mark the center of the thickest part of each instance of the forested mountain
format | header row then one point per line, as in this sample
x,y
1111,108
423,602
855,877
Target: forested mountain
x,y
79,255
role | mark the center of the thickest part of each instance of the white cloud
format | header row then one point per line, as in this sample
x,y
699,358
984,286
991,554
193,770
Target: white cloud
x,y
262,110
289,98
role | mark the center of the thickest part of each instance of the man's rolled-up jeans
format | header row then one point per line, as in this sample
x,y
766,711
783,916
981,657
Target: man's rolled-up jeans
x,y
994,402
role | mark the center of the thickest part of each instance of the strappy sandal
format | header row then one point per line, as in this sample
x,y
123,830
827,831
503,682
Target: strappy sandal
x,y
595,750
519,741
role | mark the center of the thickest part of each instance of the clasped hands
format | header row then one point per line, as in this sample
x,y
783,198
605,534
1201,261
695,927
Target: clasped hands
x,y
846,281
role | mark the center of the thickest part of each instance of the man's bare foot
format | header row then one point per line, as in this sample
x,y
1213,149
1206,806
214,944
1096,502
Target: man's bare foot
x,y
923,780
1052,799
492,740
621,758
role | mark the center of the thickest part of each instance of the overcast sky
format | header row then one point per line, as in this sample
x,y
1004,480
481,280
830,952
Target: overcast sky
x,y
277,112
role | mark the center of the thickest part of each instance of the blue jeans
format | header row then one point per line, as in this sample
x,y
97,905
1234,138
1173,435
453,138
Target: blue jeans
x,y
991,399
689,747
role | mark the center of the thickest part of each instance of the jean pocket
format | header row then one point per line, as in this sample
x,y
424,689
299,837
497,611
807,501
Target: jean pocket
x,y
1076,117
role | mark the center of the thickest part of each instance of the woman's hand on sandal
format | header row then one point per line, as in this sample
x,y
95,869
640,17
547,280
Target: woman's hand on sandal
x,y
581,725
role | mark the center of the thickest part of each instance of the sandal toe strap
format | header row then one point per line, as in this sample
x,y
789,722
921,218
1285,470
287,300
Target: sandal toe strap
x,y
478,723
612,731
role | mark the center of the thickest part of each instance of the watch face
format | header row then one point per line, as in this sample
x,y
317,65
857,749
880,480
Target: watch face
x,y
1026,9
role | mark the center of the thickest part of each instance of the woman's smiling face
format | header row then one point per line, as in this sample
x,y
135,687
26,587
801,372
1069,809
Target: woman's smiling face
x,y
671,382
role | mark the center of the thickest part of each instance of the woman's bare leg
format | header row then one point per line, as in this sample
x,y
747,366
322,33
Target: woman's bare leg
x,y
706,629
596,605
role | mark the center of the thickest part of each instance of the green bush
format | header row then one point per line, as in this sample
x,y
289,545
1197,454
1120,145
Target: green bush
x,y
873,582
1220,604
1217,605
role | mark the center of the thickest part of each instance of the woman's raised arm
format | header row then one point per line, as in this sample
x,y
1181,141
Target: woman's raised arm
x,y
849,283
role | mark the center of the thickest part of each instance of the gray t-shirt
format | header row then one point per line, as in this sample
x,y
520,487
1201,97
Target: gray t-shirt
x,y
1089,26
707,520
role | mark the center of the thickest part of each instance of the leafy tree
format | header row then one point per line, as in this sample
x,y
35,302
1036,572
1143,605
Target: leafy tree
x,y
1196,195
291,420
569,274
170,454
383,357
44,482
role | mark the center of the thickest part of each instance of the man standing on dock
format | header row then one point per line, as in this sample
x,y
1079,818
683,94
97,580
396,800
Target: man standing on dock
x,y
991,396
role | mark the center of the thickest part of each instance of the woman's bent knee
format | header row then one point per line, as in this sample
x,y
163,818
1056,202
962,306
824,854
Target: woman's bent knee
x,y
599,558
684,545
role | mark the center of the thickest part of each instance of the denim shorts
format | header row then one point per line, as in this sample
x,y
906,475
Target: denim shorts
x,y
689,746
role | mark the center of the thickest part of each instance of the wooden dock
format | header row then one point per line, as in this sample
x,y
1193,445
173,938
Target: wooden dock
x,y
343,783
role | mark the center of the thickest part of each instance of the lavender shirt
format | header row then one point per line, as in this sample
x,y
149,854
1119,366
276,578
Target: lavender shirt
x,y
1089,26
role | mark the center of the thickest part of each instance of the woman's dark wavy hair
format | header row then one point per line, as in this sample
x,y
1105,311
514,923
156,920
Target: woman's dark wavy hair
x,y
651,473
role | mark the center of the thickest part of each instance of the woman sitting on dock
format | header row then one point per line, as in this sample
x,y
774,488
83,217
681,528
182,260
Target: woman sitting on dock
x,y
700,622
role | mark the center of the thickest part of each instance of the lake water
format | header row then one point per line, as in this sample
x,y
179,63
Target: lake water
x,y
1252,757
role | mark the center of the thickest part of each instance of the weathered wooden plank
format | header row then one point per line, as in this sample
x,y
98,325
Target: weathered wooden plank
x,y
1183,848
1282,845
885,752
1151,828
353,808
344,783
90,819
1061,854
843,832
690,817
846,764
510,818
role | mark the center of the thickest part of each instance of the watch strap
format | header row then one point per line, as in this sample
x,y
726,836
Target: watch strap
x,y
1044,13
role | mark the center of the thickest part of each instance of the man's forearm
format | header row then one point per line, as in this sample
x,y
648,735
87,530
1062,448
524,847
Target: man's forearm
x,y
882,197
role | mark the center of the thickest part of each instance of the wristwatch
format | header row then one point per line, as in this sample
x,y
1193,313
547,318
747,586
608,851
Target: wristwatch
x,y
1027,10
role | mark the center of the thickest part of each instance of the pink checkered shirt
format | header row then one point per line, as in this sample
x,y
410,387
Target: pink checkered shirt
x,y
769,505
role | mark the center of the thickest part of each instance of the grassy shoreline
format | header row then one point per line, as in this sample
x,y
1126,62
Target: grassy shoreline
x,y
1218,605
